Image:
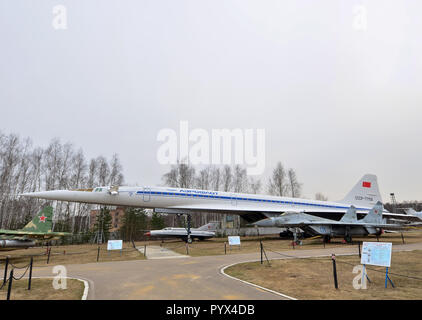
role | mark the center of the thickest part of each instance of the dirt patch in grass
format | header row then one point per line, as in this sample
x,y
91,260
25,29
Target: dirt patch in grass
x,y
69,254
313,278
42,289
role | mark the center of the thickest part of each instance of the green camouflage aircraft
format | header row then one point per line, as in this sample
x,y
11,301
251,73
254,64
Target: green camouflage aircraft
x,y
38,229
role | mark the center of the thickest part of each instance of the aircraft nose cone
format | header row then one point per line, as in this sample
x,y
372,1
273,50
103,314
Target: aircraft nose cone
x,y
148,234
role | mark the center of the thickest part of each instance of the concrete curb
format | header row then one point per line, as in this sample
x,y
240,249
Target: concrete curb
x,y
286,258
252,284
278,258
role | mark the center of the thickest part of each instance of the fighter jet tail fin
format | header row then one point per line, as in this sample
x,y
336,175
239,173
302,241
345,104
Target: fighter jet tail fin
x,y
350,215
365,193
410,211
212,226
375,214
42,222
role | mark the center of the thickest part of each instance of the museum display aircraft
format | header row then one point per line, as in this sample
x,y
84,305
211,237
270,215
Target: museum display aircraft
x,y
349,225
39,229
204,232
413,212
252,207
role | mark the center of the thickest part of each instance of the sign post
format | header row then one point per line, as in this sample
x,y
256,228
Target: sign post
x,y
377,254
115,245
234,241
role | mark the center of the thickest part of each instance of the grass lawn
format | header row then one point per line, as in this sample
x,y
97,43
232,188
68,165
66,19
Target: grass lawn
x,y
70,254
42,289
313,278
215,246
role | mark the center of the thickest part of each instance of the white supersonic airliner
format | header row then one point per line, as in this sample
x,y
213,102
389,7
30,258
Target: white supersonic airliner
x,y
252,207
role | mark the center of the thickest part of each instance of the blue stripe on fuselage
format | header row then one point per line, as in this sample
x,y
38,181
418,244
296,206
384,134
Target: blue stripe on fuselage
x,y
244,199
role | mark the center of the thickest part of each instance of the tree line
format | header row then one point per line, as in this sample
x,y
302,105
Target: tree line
x,y
283,182
28,168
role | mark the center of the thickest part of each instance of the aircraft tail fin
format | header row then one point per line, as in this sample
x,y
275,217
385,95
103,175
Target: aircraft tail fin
x,y
212,226
350,215
365,193
375,214
410,211
42,222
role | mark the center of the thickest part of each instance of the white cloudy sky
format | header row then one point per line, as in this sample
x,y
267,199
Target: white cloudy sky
x,y
336,101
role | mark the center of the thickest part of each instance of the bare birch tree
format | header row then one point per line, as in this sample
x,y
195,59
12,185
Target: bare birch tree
x,y
293,184
277,183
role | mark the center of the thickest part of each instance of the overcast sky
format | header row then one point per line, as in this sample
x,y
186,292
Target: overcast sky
x,y
337,85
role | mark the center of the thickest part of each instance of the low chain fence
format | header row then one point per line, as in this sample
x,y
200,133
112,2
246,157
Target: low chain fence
x,y
264,249
8,278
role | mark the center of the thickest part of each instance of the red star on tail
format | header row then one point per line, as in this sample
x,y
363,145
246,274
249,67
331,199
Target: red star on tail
x,y
42,218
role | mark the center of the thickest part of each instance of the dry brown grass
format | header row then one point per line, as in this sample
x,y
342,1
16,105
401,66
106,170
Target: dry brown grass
x,y
70,254
215,246
313,278
42,289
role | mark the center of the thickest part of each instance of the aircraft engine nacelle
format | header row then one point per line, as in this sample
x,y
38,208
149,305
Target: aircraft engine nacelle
x,y
16,244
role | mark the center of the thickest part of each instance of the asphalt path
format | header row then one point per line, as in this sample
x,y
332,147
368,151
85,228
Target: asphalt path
x,y
193,278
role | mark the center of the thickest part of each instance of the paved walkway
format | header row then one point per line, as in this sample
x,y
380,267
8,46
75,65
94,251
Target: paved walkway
x,y
178,279
157,252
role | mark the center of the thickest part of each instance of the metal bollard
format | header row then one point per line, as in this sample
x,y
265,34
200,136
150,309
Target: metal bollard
x,y
9,288
360,255
260,243
48,258
333,258
30,273
5,270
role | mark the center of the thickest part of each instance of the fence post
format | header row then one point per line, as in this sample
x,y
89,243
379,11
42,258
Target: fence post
x,y
187,248
260,244
402,237
5,270
49,252
9,288
360,255
145,250
225,248
98,253
30,273
333,258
